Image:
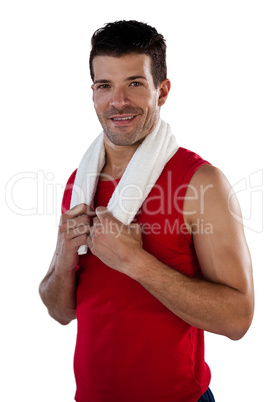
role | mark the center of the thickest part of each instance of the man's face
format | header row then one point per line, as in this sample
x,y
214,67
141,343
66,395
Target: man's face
x,y
125,98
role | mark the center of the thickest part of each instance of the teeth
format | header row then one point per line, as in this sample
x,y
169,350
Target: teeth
x,y
123,118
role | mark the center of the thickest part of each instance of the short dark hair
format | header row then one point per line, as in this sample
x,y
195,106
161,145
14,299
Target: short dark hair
x,y
124,37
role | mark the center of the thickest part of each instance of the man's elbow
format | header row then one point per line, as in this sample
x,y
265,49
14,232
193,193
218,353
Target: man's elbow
x,y
238,333
60,313
63,319
240,327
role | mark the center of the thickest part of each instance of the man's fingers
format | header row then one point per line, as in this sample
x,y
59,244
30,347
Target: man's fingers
x,y
81,230
73,223
89,242
78,210
81,209
75,227
95,220
136,228
103,214
112,224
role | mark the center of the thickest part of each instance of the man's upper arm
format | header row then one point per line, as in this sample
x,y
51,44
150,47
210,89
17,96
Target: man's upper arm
x,y
218,234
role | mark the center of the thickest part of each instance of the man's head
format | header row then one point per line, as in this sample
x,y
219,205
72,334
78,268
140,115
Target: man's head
x,y
128,70
125,37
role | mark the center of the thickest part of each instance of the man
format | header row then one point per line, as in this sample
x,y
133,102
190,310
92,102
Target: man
x,y
145,292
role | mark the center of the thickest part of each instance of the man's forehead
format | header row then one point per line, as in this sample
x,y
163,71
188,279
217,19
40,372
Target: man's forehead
x,y
131,65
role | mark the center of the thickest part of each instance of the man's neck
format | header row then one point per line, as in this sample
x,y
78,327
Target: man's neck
x,y
117,159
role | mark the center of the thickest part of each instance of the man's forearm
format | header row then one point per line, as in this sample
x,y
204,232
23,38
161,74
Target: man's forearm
x,y
213,307
58,293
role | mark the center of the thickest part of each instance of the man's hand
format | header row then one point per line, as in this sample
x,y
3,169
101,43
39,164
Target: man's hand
x,y
73,232
112,242
58,288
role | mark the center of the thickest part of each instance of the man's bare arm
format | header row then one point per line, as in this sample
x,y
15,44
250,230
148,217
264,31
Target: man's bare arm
x,y
221,303
213,307
58,288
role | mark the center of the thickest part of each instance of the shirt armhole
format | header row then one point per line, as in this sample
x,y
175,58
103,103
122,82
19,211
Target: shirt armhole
x,y
66,200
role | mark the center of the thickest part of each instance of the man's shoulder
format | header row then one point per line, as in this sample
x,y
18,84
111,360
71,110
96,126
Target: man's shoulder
x,y
208,174
187,157
184,164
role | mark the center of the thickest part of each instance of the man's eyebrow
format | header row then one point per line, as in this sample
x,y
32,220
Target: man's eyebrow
x,y
102,82
134,77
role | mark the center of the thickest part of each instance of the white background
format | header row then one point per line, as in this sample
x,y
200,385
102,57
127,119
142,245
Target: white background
x,y
217,62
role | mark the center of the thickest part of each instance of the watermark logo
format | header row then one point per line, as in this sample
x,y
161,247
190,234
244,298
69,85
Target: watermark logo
x,y
33,193
249,192
38,193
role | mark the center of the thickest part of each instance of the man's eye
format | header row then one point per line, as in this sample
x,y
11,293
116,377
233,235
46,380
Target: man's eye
x,y
135,84
103,86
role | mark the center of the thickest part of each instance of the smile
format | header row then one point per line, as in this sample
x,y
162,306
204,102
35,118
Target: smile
x,y
123,118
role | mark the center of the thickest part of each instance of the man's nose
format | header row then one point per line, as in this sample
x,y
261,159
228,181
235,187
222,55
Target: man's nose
x,y
119,98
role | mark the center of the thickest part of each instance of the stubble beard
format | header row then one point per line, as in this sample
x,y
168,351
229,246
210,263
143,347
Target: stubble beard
x,y
120,135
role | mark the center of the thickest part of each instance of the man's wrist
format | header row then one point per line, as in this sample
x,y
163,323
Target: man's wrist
x,y
138,266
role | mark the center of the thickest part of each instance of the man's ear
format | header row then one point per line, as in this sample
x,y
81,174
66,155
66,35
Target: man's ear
x,y
92,87
164,89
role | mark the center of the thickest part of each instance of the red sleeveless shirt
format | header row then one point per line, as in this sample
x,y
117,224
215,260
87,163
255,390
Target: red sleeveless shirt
x,y
130,347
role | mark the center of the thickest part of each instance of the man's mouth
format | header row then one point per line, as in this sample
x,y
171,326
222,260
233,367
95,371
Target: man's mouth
x,y
122,118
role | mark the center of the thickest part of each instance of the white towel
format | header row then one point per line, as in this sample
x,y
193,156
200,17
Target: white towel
x,y
138,179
